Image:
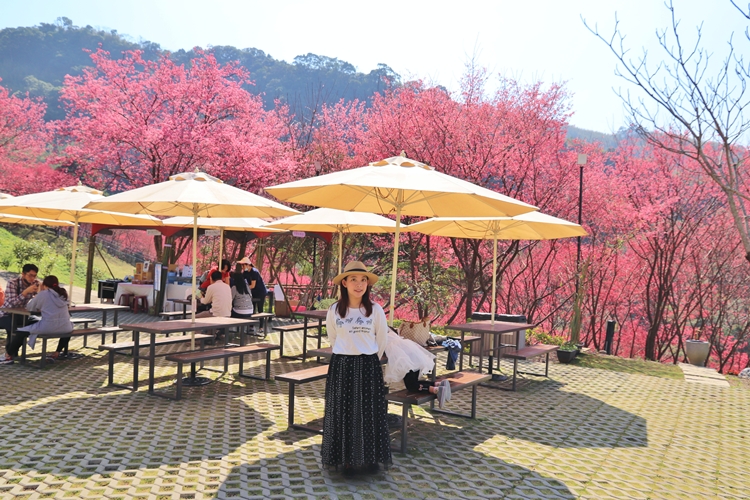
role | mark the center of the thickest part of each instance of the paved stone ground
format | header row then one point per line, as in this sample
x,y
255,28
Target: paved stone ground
x,y
583,433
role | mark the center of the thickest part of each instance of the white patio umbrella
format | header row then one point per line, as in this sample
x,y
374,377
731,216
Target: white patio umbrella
x,y
400,186
528,226
249,224
194,194
330,220
67,204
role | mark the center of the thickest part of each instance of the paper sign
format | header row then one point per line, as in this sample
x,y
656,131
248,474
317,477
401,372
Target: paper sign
x,y
212,232
298,234
153,232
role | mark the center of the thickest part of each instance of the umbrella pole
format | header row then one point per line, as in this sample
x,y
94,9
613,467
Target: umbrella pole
x,y
73,260
494,278
195,271
341,248
221,248
395,265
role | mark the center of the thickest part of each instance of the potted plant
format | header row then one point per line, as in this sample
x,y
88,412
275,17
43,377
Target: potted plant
x,y
697,350
566,352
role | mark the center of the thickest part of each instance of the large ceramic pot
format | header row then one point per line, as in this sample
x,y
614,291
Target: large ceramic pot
x,y
697,351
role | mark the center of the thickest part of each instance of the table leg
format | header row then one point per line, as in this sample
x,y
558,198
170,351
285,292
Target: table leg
x,y
290,414
136,355
461,354
304,339
151,363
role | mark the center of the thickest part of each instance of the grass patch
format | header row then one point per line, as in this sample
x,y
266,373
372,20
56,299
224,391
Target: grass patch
x,y
628,365
56,255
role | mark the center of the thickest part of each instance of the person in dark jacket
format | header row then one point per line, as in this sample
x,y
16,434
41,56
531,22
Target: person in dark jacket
x,y
257,286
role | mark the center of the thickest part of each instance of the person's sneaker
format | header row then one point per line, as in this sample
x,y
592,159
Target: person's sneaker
x,y
446,383
6,361
444,393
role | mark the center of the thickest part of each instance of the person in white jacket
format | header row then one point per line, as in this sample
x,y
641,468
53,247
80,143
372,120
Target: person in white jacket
x,y
355,425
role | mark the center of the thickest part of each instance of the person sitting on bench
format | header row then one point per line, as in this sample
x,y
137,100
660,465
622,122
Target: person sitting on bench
x,y
52,302
219,295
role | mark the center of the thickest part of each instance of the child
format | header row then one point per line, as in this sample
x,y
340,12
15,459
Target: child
x,y
355,426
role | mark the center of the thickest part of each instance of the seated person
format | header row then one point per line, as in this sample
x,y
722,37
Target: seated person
x,y
242,299
19,291
52,302
225,276
407,361
219,295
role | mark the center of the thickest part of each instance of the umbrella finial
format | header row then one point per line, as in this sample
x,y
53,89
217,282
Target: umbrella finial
x,y
403,153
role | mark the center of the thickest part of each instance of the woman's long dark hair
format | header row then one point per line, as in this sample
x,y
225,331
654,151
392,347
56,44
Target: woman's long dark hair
x,y
342,306
239,281
53,283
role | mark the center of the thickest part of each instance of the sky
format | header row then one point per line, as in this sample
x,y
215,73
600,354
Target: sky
x,y
527,40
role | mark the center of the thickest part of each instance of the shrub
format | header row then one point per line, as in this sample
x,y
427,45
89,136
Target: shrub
x,y
30,251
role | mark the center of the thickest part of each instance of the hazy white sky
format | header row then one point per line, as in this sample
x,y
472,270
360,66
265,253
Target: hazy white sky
x,y
524,39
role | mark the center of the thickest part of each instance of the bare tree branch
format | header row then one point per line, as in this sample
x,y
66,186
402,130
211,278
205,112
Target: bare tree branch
x,y
689,105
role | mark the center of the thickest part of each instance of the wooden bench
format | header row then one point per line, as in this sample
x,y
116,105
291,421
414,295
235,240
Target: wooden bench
x,y
121,347
529,352
294,327
458,381
167,315
300,377
220,353
82,332
103,330
82,321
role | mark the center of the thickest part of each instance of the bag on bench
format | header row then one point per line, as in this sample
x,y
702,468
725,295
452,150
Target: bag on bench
x,y
418,332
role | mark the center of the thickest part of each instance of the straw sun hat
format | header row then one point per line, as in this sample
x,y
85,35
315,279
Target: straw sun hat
x,y
356,267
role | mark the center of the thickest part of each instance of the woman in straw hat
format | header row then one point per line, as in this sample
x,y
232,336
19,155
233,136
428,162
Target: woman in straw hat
x,y
355,427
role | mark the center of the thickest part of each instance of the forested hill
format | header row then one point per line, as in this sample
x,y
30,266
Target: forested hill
x,y
36,59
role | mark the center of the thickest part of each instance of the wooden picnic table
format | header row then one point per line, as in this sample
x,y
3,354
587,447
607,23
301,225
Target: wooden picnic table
x,y
168,327
488,328
318,315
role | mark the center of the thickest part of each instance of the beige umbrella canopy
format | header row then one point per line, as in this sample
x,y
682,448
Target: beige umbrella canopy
x,y
31,221
196,194
400,186
529,226
67,204
223,224
330,220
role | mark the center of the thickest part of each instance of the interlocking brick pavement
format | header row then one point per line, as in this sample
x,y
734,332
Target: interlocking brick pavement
x,y
583,433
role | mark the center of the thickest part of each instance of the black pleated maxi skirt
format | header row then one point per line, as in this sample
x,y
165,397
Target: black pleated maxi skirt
x,y
355,426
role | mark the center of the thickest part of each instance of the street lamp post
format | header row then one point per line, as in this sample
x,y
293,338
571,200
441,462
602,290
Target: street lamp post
x,y
318,168
582,159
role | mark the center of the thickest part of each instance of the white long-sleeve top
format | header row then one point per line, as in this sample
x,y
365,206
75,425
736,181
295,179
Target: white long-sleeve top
x,y
356,333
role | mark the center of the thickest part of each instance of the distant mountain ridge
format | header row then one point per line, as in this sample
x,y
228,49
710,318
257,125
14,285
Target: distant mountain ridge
x,y
36,59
